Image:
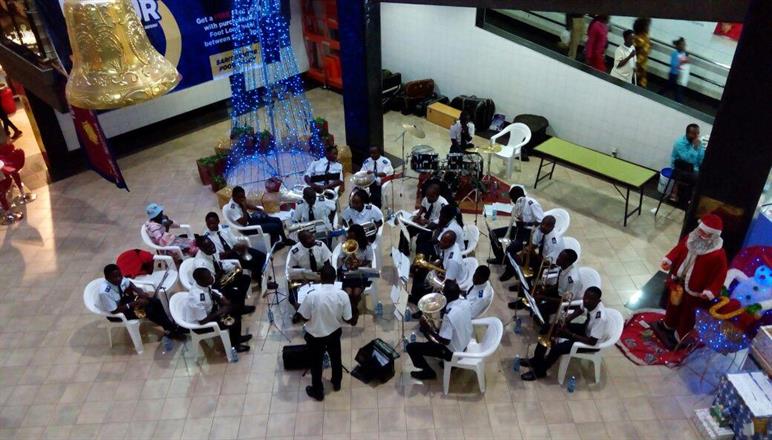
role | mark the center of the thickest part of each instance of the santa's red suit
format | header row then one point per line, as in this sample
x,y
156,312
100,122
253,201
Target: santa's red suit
x,y
11,162
699,270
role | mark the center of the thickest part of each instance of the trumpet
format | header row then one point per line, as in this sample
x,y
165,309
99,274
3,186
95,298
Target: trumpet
x,y
311,226
350,248
431,306
423,263
559,321
139,311
528,251
230,276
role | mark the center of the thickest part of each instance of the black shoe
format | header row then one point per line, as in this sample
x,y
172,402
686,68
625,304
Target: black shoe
x,y
423,374
526,159
493,261
525,363
318,395
516,305
242,348
248,309
245,338
528,377
336,387
514,288
507,275
418,315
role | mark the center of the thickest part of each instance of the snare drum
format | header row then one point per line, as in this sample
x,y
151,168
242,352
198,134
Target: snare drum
x,y
424,159
473,165
455,162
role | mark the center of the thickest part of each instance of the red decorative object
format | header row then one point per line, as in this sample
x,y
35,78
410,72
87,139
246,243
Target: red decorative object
x,y
730,30
644,348
6,100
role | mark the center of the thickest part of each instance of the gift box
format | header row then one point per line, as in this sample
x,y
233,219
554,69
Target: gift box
x,y
747,397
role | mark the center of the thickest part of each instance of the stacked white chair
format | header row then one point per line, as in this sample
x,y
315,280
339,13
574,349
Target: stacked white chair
x,y
473,358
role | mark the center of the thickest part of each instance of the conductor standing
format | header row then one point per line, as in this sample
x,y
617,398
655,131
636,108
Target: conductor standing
x,y
325,309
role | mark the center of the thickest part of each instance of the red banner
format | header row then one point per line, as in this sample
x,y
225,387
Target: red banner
x,y
94,143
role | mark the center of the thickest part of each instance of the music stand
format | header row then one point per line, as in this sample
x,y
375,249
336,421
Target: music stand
x,y
275,297
417,133
399,294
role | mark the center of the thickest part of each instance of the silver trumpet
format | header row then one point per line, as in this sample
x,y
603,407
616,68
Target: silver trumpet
x,y
311,226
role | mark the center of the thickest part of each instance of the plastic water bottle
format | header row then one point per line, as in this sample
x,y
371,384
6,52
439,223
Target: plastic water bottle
x,y
495,214
234,355
326,361
413,337
518,326
408,316
404,344
516,364
167,343
379,310
571,386
270,315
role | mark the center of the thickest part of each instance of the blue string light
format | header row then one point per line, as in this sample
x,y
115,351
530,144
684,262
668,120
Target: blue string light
x,y
267,96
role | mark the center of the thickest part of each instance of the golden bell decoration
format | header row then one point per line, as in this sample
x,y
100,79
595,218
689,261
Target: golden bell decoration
x,y
114,64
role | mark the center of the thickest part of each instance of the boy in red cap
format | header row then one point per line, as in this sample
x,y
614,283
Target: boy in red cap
x,y
697,267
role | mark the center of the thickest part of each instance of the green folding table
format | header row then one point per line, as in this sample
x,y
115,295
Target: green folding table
x,y
611,169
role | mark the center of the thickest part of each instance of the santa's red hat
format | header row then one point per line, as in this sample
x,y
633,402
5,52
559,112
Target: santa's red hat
x,y
711,223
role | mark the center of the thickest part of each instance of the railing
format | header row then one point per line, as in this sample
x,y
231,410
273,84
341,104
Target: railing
x,y
706,77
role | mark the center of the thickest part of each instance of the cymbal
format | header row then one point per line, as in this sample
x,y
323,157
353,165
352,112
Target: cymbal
x,y
414,130
485,149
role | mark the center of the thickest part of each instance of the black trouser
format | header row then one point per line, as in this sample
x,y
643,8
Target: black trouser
x,y
234,331
317,347
418,289
519,234
255,265
542,361
404,243
236,292
155,313
375,194
425,244
7,122
270,225
419,350
672,84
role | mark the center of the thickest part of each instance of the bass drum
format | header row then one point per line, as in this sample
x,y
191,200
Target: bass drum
x,y
423,159
472,165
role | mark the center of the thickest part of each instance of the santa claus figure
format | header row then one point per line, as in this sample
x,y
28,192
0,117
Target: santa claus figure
x,y
697,268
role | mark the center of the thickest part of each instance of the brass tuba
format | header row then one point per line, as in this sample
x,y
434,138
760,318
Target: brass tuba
x,y
114,64
431,306
350,248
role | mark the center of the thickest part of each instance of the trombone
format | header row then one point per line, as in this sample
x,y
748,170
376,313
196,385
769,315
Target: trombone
x,y
528,251
436,276
559,321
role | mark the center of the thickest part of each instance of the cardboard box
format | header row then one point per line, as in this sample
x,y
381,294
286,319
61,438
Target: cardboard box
x,y
442,115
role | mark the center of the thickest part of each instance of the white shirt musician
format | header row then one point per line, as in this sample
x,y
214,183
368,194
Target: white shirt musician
x,y
309,253
527,210
594,331
480,297
566,284
549,244
461,132
452,261
358,212
454,334
527,213
458,230
213,262
313,207
378,165
325,173
432,206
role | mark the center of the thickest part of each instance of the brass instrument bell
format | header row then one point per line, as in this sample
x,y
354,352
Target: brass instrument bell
x,y
230,276
350,248
431,305
420,261
114,64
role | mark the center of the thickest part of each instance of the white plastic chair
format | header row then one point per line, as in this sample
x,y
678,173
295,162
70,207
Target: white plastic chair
x,y
562,220
177,304
488,307
476,353
472,237
470,263
386,197
176,251
615,332
519,135
377,252
259,240
90,295
161,264
589,277
573,244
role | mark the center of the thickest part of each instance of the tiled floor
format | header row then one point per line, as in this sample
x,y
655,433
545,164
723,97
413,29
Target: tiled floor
x,y
59,378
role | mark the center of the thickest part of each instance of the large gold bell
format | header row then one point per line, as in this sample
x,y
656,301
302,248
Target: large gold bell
x,y
114,64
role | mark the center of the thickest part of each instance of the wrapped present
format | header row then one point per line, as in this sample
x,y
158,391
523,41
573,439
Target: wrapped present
x,y
747,398
761,348
224,195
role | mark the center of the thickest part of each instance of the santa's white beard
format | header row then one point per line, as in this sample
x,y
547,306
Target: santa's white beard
x,y
700,246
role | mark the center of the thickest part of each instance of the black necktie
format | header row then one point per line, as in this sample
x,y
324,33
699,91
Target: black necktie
x,y
429,211
375,167
225,244
217,265
327,170
312,259
469,291
311,213
541,245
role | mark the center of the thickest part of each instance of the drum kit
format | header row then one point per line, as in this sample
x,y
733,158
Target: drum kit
x,y
423,159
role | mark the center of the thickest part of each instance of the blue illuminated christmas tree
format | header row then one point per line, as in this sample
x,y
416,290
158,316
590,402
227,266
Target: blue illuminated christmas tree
x,y
272,121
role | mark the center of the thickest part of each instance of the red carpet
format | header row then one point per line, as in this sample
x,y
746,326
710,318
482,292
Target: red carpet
x,y
496,190
647,351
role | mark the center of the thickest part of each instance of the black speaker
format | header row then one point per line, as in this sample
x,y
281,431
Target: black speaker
x,y
296,357
376,362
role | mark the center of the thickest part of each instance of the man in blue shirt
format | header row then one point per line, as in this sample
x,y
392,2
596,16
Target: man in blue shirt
x,y
687,150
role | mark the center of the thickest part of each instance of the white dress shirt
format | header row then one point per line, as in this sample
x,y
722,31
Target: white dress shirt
x,y
455,227
569,282
322,209
300,256
528,210
625,73
325,307
198,303
479,297
435,208
455,131
110,295
211,261
598,323
323,166
223,234
232,211
453,263
370,213
553,244
382,165
457,325
362,255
